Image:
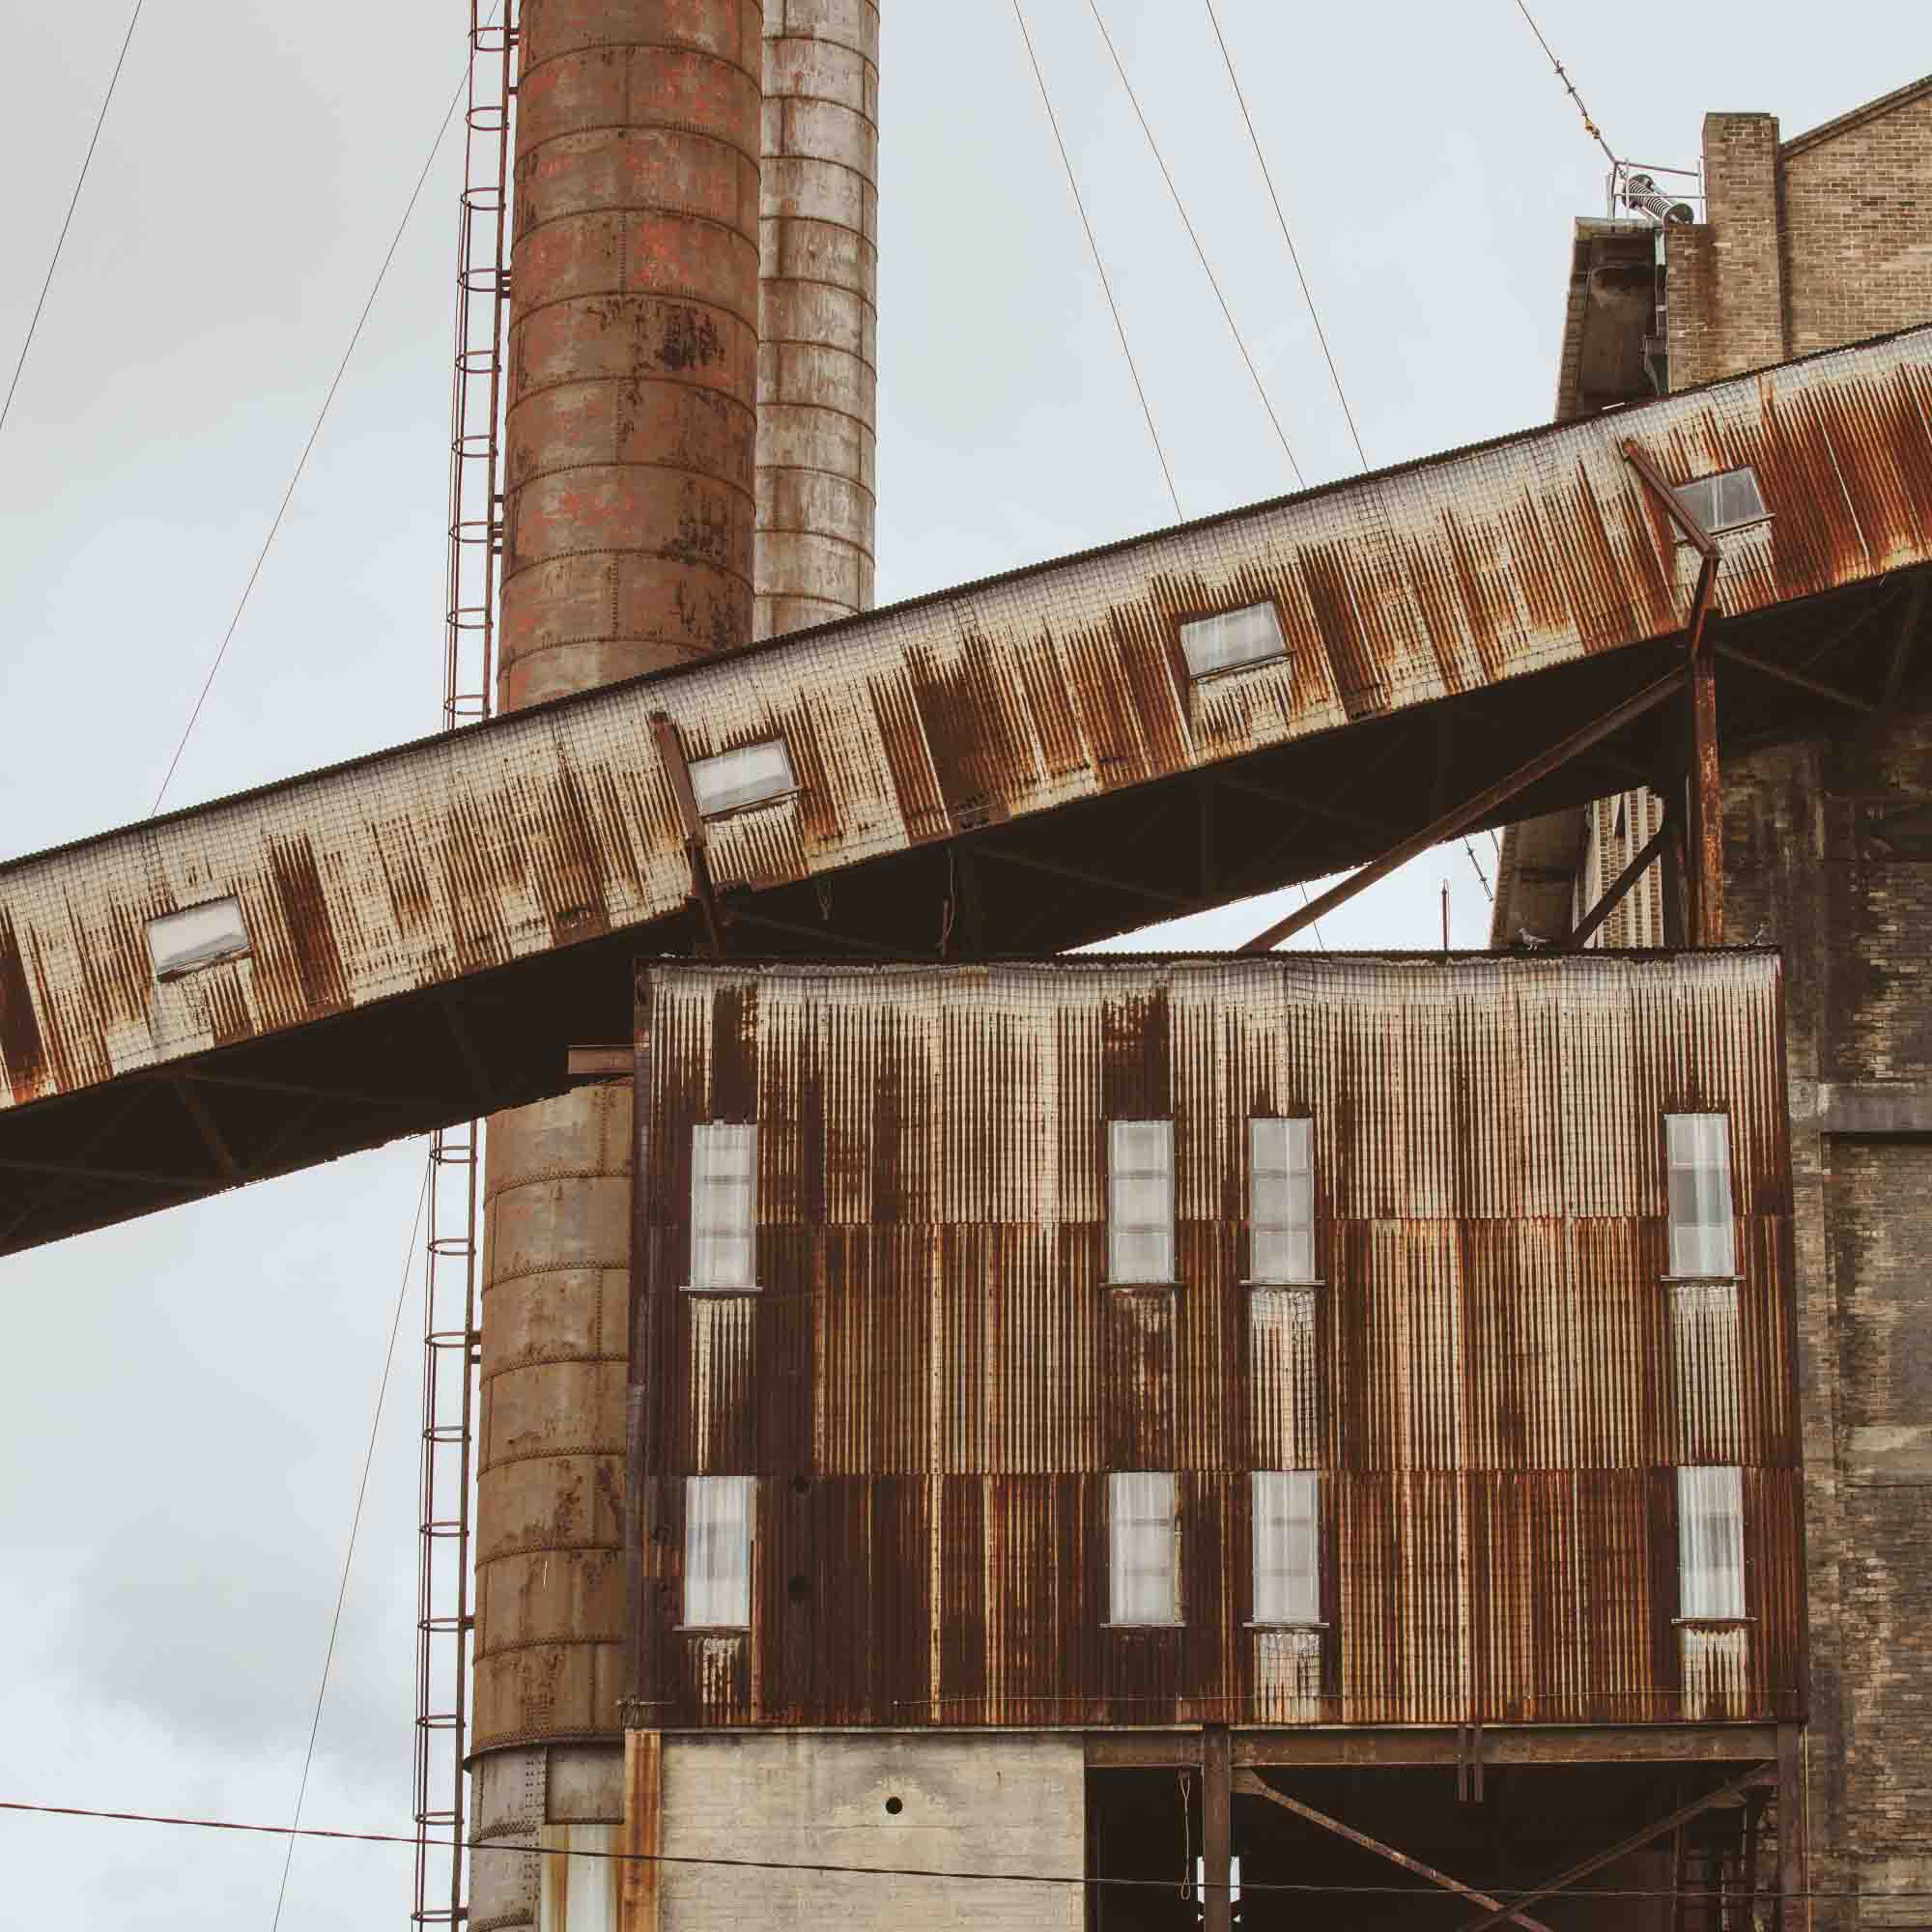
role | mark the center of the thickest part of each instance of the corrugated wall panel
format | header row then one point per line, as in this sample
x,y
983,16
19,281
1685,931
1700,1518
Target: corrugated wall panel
x,y
1492,1374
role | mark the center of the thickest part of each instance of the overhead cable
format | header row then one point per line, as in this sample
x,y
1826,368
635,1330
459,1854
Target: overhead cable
x,y
1093,247
87,162
1294,254
315,432
1306,1887
1201,253
354,1527
1590,126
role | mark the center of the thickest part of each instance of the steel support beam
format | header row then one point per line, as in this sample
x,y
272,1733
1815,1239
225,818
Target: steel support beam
x,y
1217,1842
1759,1774
1471,811
1586,929
1707,805
1794,1825
1908,640
1798,679
1251,1785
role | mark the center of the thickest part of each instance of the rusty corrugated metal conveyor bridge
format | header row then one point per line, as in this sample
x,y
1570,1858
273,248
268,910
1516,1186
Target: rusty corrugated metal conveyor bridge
x,y
1017,766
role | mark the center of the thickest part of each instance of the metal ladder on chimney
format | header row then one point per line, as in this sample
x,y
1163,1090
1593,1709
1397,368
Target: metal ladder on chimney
x,y
444,1618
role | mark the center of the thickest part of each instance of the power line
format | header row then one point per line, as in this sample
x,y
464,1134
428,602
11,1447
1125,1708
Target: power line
x,y
1590,126
355,1528
1206,268
1294,254
1093,247
87,162
308,448
1305,1887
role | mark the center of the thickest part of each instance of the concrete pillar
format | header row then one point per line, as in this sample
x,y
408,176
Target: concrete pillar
x,y
629,521
818,356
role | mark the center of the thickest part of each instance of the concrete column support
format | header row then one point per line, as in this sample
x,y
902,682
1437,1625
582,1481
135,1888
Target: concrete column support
x,y
818,355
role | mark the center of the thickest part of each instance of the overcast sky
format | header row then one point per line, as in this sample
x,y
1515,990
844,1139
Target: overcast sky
x,y
184,1402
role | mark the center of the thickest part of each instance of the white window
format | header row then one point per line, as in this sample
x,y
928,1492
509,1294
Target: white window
x,y
203,936
751,774
724,1205
1701,1231
1142,1550
1288,1546
718,1552
1140,1201
1231,639
1722,502
1710,1543
1281,1201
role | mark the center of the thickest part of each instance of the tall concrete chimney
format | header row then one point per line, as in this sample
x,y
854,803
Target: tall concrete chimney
x,y
818,355
633,376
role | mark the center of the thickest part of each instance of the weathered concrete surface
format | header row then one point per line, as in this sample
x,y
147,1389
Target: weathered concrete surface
x,y
1000,1803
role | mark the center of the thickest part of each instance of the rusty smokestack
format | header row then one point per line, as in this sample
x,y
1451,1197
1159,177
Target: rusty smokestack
x,y
818,356
630,517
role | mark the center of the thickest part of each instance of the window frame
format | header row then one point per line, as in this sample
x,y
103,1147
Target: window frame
x,y
701,1230
1297,1485
1120,1603
714,814
1677,1233
1188,619
1116,1230
741,1578
1286,1230
1692,1513
1716,479
225,940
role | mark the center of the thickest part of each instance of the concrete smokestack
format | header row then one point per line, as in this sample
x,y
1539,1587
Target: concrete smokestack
x,y
817,359
629,538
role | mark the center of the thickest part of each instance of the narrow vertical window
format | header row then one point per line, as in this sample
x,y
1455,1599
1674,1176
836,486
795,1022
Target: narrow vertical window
x,y
724,1205
1281,1200
1140,1201
1700,1195
1288,1546
1142,1550
718,1552
1711,1542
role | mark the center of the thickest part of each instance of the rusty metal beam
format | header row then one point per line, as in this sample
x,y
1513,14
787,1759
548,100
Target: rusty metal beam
x,y
1217,1903
1081,875
1694,533
1251,1785
1908,640
1817,687
1369,1746
1460,817
1619,891
1793,1828
1757,1774
229,1168
696,846
481,1090
1707,805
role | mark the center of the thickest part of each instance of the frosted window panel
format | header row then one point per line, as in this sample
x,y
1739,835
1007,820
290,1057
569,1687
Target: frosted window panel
x,y
1140,1201
1231,639
734,780
724,1205
1142,1550
1288,1546
1702,1236
718,1552
204,935
1281,1200
1723,502
1711,1542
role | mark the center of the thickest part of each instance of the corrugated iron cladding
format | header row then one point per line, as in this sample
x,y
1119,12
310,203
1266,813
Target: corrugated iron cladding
x,y
1491,1372
1002,699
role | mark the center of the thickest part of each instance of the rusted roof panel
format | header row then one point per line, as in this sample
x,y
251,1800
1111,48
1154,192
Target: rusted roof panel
x,y
1490,1372
984,713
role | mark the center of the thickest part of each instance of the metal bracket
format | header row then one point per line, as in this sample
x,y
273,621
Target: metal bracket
x,y
677,767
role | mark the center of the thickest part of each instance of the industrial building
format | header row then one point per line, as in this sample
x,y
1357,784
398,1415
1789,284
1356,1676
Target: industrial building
x,y
1827,853
962,1433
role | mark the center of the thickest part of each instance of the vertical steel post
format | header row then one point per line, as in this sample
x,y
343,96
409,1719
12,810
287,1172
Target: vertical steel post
x,y
1793,1876
1707,811
1217,1779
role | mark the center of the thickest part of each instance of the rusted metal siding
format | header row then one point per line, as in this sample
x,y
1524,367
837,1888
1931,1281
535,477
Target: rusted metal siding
x,y
933,1379
992,702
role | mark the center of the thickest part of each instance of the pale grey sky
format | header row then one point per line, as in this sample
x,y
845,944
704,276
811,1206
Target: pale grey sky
x,y
184,1402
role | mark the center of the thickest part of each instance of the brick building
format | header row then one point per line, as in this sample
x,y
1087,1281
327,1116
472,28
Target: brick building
x,y
1805,244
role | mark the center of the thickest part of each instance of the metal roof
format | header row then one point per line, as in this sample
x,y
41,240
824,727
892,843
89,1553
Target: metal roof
x,y
1021,764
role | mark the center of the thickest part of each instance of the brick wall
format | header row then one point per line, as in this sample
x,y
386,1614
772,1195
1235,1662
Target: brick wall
x,y
1855,919
1857,225
1731,290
